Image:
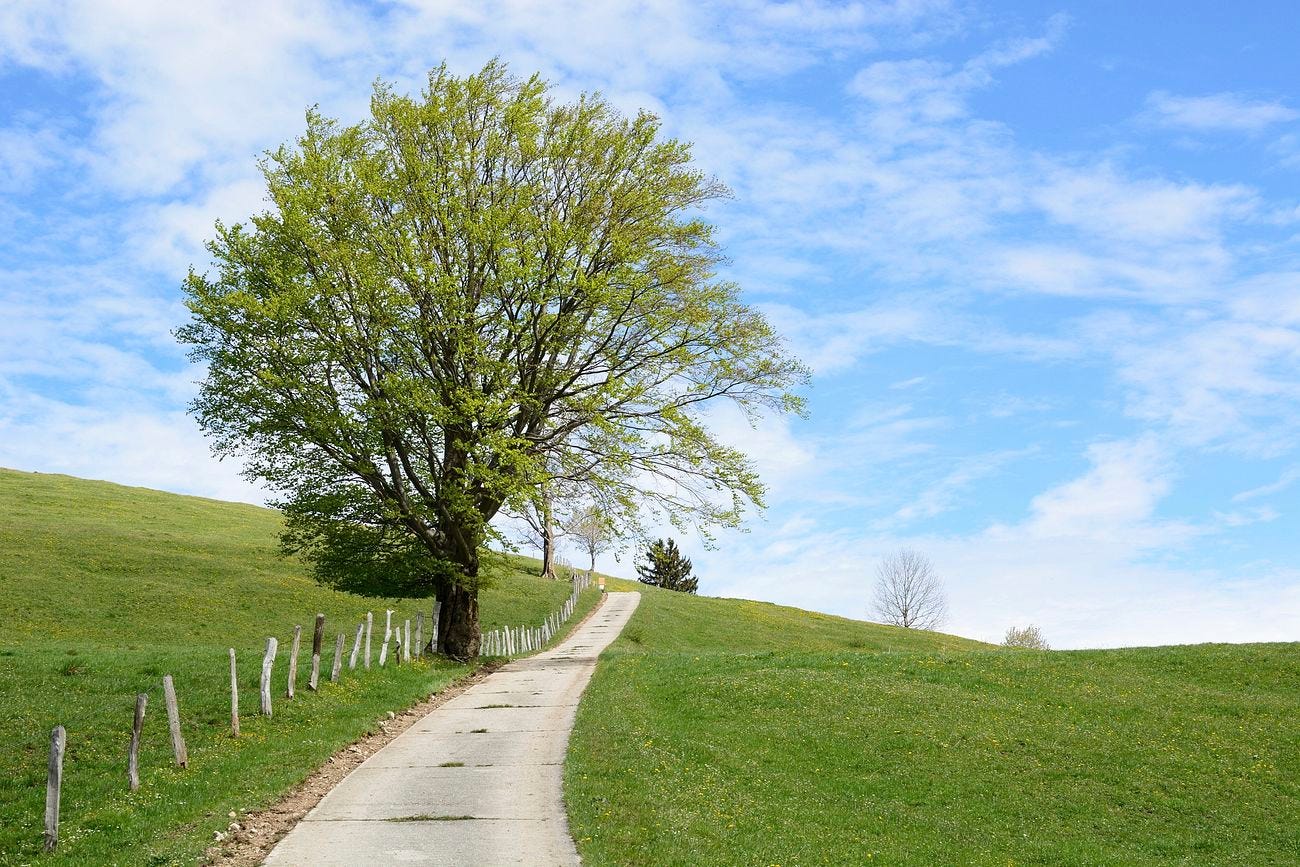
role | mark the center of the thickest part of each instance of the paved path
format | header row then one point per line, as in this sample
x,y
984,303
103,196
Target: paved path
x,y
503,805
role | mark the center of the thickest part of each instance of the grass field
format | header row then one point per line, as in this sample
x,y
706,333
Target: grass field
x,y
715,731
729,732
107,589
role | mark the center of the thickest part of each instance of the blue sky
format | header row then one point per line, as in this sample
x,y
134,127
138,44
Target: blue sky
x,y
1043,258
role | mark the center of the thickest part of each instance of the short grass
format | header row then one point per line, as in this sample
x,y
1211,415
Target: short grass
x,y
107,589
724,732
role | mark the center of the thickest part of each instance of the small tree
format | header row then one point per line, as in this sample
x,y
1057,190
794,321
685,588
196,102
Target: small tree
x,y
908,592
666,567
593,532
541,528
1030,637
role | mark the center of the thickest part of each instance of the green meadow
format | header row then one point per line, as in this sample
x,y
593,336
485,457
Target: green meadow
x,y
109,588
730,732
716,731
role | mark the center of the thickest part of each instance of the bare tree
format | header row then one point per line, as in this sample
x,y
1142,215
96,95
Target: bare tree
x,y
908,592
1030,637
593,532
542,528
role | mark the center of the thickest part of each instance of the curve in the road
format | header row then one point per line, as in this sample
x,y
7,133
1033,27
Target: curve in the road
x,y
479,781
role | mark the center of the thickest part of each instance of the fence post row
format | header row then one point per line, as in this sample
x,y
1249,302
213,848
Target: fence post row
x,y
503,641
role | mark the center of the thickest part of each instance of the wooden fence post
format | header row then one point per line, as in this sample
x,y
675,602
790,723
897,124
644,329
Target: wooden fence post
x,y
419,634
356,647
234,697
369,621
406,643
397,649
338,659
388,636
267,661
133,754
293,662
317,637
174,722
434,627
54,786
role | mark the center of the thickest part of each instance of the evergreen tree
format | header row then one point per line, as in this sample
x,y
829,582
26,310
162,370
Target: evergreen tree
x,y
666,567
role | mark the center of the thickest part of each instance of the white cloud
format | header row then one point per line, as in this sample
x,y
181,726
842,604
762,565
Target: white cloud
x,y
1288,478
1222,383
779,457
1104,204
170,236
1113,502
25,151
944,494
147,448
1217,112
194,85
934,91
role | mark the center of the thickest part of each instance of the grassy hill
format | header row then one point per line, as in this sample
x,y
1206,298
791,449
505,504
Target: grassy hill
x,y
716,731
106,589
731,732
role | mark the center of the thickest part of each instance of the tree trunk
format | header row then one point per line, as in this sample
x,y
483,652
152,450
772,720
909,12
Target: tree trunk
x,y
548,542
458,632
462,533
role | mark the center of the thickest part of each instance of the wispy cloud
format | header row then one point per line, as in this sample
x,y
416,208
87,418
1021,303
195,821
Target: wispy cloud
x,y
1217,112
1288,478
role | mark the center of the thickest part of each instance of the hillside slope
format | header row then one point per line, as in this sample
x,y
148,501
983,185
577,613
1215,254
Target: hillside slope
x,y
728,732
106,589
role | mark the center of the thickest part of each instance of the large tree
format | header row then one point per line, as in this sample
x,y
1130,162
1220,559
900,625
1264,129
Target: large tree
x,y
467,295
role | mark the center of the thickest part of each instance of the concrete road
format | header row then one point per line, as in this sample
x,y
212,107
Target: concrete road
x,y
479,781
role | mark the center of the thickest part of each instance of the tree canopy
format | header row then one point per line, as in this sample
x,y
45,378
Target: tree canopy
x,y
470,293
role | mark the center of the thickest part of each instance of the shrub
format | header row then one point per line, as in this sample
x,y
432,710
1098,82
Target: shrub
x,y
1030,637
